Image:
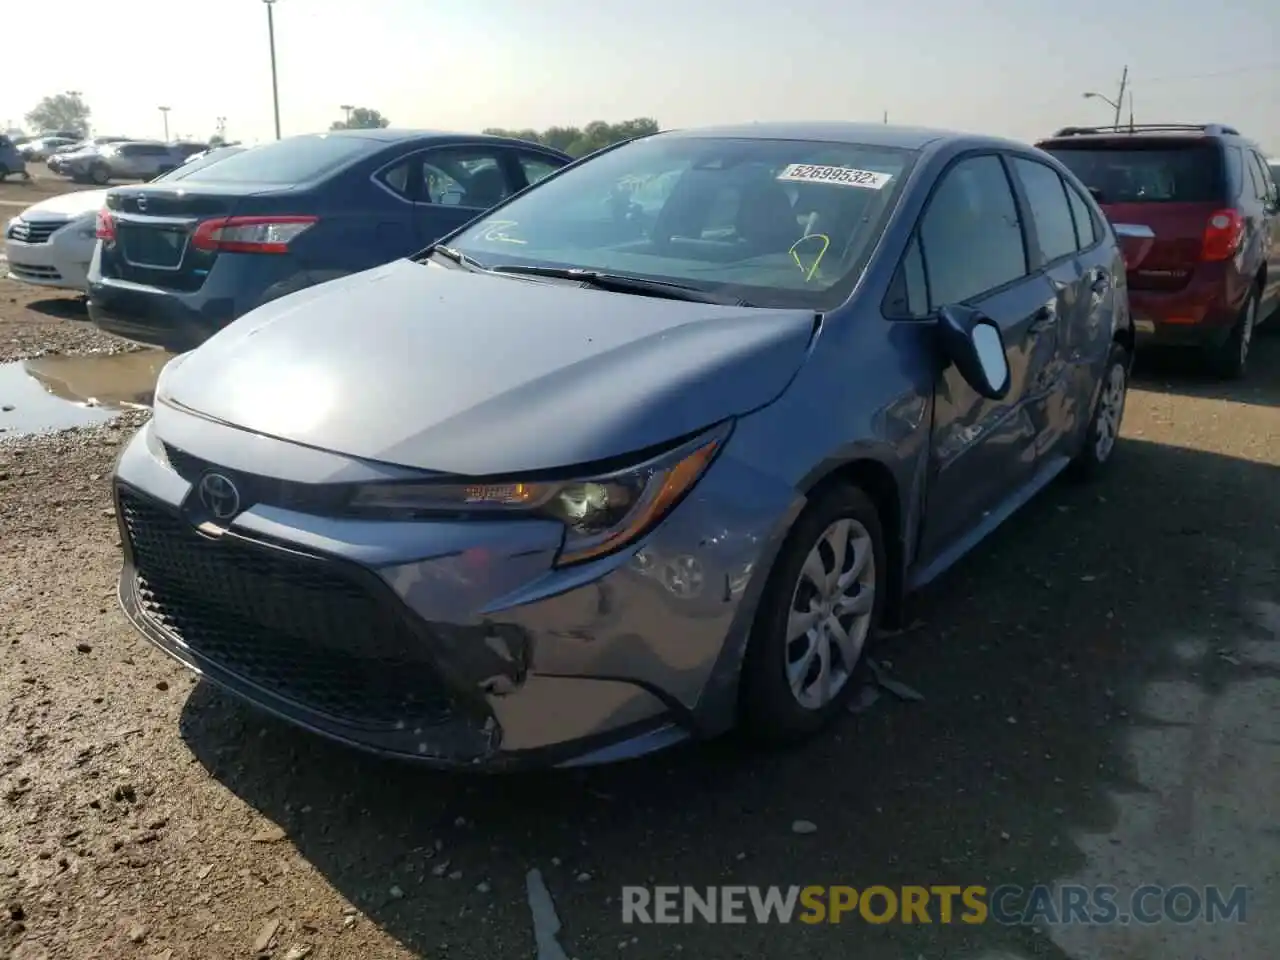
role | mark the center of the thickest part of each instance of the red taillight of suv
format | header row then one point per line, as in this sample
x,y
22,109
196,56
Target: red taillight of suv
x,y
1222,235
105,228
250,234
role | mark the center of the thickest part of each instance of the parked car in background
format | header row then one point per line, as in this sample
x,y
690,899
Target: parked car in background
x,y
41,148
11,160
61,160
1206,271
182,258
236,146
132,160
406,509
50,244
83,144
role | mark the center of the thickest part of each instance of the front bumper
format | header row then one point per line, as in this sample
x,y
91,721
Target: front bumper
x,y
454,644
61,263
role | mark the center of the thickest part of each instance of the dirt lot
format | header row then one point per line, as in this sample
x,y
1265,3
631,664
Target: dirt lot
x,y
15,194
1102,706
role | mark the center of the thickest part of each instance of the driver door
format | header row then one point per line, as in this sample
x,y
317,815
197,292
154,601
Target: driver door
x,y
970,249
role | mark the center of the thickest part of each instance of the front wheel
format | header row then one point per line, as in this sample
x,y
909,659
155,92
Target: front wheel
x,y
822,604
1108,415
99,174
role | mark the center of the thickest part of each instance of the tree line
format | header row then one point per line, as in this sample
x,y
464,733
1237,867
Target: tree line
x,y
68,111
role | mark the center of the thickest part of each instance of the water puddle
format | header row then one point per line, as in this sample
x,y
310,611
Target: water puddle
x,y
56,392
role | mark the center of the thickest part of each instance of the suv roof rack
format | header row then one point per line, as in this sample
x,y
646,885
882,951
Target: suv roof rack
x,y
1213,129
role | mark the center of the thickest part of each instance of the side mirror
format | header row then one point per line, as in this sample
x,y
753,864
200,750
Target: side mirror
x,y
975,345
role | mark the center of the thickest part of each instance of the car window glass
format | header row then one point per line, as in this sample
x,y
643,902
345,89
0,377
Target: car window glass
x,y
772,222
464,177
535,167
1237,179
1265,187
1050,209
909,293
298,159
1154,173
1086,227
1256,183
970,234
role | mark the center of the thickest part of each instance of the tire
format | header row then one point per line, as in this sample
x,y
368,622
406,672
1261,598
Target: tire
x,y
1230,361
770,710
99,174
1107,418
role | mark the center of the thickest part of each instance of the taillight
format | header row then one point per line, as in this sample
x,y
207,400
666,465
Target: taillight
x,y
105,229
250,234
1222,235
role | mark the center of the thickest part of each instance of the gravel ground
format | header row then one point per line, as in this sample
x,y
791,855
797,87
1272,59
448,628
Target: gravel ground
x,y
1101,705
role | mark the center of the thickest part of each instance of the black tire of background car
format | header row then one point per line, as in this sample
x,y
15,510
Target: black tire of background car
x,y
768,711
1086,465
100,174
1227,361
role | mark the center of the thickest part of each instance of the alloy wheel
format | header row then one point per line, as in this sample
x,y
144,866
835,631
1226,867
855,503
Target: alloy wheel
x,y
830,616
1110,412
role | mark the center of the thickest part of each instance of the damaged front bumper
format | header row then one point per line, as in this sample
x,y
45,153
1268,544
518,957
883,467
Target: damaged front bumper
x,y
452,644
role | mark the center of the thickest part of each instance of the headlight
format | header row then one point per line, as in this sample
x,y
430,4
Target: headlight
x,y
601,513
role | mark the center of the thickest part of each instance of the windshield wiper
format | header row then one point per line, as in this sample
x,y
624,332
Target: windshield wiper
x,y
618,283
457,256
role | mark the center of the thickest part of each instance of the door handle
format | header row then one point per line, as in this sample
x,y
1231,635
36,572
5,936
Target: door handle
x,y
1101,283
1043,319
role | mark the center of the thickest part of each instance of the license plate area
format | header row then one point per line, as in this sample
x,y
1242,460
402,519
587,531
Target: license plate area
x,y
1144,326
154,247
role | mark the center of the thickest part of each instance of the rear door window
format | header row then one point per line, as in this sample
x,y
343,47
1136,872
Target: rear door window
x,y
536,167
1050,209
1086,226
464,177
970,235
1161,172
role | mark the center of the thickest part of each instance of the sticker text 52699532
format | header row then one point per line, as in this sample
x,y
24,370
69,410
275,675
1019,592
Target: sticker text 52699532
x,y
841,176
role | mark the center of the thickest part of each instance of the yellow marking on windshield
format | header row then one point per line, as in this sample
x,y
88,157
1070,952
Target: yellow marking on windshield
x,y
826,242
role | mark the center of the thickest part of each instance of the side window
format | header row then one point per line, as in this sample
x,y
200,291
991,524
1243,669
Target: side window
x,y
536,167
1237,180
1086,226
1267,189
909,292
1256,179
970,235
1050,210
464,177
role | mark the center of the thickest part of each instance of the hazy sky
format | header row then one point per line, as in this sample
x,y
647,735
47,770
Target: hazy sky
x,y
1014,67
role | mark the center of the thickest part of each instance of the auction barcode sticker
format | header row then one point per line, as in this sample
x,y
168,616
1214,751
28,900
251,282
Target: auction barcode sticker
x,y
843,176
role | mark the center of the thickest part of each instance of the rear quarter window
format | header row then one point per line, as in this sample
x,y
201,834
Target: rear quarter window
x,y
1134,172
295,160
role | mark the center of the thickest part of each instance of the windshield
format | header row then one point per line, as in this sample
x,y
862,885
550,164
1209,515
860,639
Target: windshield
x,y
782,223
295,160
1190,174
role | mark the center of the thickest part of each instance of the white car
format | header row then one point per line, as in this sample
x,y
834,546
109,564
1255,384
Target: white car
x,y
51,243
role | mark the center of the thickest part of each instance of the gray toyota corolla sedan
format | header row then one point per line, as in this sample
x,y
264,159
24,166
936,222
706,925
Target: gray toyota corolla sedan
x,y
650,449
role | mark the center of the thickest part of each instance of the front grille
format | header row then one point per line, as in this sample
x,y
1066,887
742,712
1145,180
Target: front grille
x,y
23,272
296,626
35,231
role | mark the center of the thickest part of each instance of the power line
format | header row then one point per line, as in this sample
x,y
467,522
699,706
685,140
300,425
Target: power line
x,y
1239,71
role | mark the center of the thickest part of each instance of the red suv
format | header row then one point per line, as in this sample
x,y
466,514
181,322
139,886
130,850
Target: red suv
x,y
1196,210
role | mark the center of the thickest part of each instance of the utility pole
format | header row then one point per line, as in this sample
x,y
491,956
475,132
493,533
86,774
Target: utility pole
x,y
886,116
1124,83
271,37
164,111
346,108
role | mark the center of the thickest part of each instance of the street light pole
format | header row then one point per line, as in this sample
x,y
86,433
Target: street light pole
x,y
271,36
346,108
164,111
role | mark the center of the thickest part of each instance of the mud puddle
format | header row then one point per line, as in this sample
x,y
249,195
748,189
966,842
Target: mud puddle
x,y
57,393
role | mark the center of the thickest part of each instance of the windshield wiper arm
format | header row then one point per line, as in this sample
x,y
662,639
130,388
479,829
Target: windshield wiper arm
x,y
457,256
618,283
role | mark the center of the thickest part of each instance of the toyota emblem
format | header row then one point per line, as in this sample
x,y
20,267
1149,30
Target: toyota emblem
x,y
219,496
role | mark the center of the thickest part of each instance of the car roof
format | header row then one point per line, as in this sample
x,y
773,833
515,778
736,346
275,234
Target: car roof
x,y
393,135
870,134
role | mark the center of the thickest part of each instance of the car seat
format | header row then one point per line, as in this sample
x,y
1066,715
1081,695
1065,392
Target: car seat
x,y
486,188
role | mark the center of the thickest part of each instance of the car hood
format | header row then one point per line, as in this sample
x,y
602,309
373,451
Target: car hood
x,y
71,205
446,370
